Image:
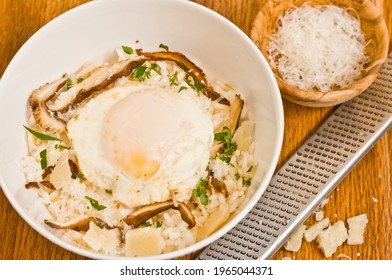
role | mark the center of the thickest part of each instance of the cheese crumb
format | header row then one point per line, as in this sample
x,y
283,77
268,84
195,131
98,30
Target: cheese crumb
x,y
324,202
294,242
101,239
142,242
343,256
331,238
319,215
315,229
356,230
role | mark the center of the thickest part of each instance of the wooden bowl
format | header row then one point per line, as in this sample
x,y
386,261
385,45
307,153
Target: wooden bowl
x,y
375,31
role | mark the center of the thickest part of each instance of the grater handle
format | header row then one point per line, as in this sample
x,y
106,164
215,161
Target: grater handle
x,y
316,168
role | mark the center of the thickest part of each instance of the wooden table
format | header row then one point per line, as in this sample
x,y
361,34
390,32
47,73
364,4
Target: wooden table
x,y
367,189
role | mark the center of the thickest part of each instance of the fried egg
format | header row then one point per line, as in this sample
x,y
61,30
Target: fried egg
x,y
144,143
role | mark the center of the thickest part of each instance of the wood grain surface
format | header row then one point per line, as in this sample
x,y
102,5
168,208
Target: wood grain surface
x,y
367,189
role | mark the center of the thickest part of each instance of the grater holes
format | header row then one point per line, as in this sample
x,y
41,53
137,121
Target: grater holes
x,y
325,152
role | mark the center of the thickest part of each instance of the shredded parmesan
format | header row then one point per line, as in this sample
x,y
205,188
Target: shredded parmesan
x,y
321,47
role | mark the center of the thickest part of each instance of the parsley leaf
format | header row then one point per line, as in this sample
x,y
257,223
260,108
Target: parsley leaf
x,y
173,79
155,67
99,224
162,46
95,204
223,157
127,49
246,182
44,162
69,83
141,73
80,176
41,135
182,88
183,65
108,191
146,224
195,85
225,137
201,192
61,147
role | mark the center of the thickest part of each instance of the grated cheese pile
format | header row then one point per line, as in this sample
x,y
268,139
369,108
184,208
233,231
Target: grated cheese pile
x,y
319,47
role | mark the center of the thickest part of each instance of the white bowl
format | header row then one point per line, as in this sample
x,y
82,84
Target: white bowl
x,y
92,31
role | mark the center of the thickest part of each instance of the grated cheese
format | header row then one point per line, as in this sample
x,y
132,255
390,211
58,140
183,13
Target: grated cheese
x,y
319,47
314,230
294,242
331,238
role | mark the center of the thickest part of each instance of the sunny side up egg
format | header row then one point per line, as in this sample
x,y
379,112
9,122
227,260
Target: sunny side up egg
x,y
144,143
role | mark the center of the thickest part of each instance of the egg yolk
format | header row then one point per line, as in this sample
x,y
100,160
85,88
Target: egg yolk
x,y
139,130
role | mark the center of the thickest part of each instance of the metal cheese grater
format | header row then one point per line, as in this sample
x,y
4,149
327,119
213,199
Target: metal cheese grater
x,y
302,183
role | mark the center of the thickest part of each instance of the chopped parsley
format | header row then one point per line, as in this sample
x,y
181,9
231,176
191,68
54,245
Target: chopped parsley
x,y
108,191
155,67
182,88
229,147
173,79
127,49
195,84
61,147
95,204
250,169
141,73
80,176
246,182
44,162
41,135
99,224
201,192
79,80
183,65
159,224
162,46
146,224
223,157
69,83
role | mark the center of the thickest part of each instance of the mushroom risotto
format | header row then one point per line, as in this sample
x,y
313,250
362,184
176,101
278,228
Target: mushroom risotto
x,y
140,156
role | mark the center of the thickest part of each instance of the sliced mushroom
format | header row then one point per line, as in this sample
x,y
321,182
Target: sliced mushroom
x,y
98,80
37,101
143,214
191,68
46,185
232,122
74,168
48,171
81,223
219,186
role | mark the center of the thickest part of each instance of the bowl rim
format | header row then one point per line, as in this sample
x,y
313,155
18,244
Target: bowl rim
x,y
278,112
